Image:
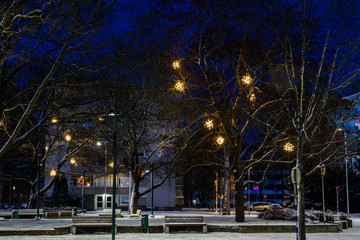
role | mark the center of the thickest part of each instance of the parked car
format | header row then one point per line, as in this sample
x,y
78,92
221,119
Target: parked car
x,y
274,206
4,205
246,205
260,206
23,206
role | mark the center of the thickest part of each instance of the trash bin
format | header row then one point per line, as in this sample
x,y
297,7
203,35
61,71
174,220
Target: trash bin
x,y
145,223
321,217
74,211
15,214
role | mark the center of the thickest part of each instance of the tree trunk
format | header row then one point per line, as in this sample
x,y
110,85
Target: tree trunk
x,y
32,198
282,186
301,190
239,201
1,183
134,201
226,182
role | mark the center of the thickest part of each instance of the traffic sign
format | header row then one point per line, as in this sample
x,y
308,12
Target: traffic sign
x,y
337,190
295,172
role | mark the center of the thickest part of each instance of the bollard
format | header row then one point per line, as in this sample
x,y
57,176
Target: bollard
x,y
74,211
145,223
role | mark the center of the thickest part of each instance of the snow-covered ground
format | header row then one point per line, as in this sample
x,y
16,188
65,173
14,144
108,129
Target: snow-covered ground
x,y
348,234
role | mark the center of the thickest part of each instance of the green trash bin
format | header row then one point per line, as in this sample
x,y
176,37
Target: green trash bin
x,y
15,214
145,223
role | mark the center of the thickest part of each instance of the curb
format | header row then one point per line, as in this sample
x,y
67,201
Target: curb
x,y
251,228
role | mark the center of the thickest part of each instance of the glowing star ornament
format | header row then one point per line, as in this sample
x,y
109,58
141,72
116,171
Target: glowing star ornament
x,y
54,120
289,147
101,119
111,164
252,98
220,140
73,161
176,64
180,86
68,137
246,80
209,124
53,173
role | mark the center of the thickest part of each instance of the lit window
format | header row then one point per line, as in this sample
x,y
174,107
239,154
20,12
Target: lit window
x,y
124,199
124,182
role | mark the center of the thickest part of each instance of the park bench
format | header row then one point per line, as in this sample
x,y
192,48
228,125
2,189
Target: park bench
x,y
27,213
86,221
58,213
108,212
184,221
342,223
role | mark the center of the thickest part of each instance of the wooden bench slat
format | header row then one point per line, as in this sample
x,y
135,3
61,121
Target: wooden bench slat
x,y
90,221
184,221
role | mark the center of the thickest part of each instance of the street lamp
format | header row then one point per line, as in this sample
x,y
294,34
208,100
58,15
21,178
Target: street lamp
x,y
323,171
37,217
82,191
346,173
114,113
105,163
152,190
249,188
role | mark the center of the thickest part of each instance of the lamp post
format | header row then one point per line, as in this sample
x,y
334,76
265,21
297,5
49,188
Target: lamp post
x,y
37,217
152,191
347,187
114,113
82,191
346,173
347,178
249,190
105,165
323,171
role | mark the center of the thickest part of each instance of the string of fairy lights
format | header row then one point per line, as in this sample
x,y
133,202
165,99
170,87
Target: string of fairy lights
x,y
180,86
246,80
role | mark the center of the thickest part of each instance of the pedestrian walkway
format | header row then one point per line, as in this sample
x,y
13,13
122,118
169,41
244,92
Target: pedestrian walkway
x,y
214,220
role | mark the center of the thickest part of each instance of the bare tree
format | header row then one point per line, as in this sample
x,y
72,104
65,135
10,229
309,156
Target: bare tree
x,y
225,69
317,72
39,32
43,44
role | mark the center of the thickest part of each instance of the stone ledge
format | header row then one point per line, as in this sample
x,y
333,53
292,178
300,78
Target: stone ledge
x,y
311,228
